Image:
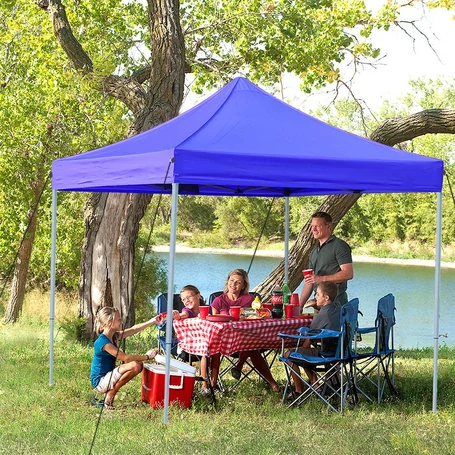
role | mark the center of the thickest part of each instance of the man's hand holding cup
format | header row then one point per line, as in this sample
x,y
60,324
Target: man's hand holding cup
x,y
308,276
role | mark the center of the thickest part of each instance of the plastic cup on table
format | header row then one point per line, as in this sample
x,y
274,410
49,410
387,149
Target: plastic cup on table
x,y
203,311
269,306
294,299
307,272
295,303
235,312
289,311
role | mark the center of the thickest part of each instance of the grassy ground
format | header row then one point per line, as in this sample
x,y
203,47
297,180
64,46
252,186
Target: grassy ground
x,y
37,418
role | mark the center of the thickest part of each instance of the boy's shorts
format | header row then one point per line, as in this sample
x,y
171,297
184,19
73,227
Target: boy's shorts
x,y
108,381
311,352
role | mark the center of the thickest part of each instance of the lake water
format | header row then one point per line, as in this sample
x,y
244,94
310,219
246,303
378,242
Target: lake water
x,y
412,286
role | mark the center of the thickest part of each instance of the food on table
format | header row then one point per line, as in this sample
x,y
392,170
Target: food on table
x,y
264,313
251,313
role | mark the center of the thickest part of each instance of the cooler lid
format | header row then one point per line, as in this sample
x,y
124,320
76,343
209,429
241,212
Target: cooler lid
x,y
161,369
177,364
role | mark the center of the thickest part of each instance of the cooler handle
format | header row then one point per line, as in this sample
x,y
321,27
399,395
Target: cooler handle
x,y
182,377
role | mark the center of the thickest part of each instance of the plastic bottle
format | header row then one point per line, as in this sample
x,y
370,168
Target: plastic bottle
x,y
286,294
256,303
277,302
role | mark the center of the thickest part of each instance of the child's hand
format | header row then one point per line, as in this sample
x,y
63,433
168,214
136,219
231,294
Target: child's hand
x,y
175,315
152,353
159,318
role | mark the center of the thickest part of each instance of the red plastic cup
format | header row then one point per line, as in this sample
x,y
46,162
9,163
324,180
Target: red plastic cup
x,y
289,311
294,299
235,312
296,310
269,306
307,272
203,311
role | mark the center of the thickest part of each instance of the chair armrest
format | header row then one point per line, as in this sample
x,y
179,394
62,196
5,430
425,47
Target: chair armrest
x,y
311,334
289,335
363,330
324,333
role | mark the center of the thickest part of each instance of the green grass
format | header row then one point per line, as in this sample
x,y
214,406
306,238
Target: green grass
x,y
37,418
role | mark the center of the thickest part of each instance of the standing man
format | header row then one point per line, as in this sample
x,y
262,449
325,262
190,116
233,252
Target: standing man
x,y
331,260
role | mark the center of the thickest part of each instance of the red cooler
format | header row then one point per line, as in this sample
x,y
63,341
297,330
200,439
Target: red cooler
x,y
181,384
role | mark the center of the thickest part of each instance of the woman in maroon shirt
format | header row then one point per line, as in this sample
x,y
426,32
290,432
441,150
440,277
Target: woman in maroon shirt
x,y
236,293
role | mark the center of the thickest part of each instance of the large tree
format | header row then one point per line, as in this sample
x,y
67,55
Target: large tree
x,y
214,40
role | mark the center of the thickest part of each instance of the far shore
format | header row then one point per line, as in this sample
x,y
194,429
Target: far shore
x,y
279,254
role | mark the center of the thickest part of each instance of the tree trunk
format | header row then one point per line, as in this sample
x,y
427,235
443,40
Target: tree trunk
x,y
112,220
107,263
19,281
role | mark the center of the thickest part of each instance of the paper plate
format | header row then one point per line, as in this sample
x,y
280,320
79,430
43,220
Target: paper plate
x,y
219,318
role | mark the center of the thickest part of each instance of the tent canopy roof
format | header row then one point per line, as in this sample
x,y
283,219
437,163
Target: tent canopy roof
x,y
243,141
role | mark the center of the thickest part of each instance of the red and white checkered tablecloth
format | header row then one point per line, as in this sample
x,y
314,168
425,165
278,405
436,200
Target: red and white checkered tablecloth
x,y
201,337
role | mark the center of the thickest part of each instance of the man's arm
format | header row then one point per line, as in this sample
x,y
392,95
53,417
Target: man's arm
x,y
345,274
305,294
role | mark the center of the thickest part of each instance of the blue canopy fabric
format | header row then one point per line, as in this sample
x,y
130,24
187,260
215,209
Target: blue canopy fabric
x,y
243,141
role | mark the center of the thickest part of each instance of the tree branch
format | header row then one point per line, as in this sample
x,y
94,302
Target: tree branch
x,y
62,30
127,90
431,121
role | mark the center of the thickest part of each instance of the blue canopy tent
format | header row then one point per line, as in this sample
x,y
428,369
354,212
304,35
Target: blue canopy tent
x,y
242,141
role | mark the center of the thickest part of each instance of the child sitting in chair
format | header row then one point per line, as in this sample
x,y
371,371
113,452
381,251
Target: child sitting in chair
x,y
191,298
327,318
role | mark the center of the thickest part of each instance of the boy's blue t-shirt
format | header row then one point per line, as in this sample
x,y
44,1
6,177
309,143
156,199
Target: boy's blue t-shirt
x,y
102,362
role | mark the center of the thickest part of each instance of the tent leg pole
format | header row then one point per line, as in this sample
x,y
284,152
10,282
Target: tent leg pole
x,y
437,281
52,290
170,296
286,241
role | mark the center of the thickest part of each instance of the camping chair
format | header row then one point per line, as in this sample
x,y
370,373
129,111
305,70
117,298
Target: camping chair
x,y
162,306
377,367
232,360
333,370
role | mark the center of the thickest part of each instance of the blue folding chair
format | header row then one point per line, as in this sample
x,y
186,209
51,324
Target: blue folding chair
x,y
376,367
162,306
333,369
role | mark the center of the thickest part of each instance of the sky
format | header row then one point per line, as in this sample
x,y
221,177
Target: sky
x,y
402,60
405,59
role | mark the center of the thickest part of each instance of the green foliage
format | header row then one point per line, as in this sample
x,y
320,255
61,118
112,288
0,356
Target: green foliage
x,y
240,217
150,278
301,209
47,111
196,213
409,217
263,40
73,329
